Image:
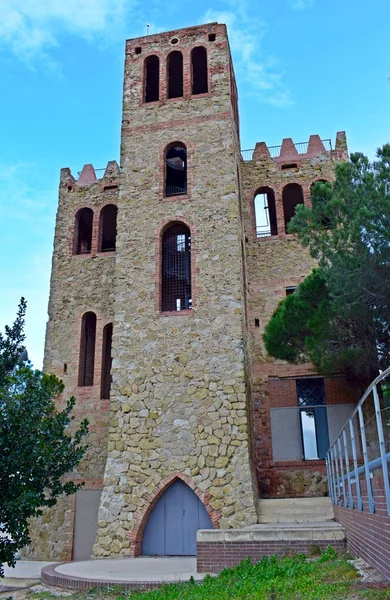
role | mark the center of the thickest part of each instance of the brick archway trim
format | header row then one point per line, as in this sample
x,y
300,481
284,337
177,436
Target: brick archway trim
x,y
141,517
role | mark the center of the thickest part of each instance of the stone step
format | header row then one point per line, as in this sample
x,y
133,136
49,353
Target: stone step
x,y
295,510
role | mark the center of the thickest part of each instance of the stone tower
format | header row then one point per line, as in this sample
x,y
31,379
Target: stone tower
x,y
164,300
178,403
164,276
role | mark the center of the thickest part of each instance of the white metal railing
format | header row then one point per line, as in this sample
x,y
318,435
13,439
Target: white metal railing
x,y
274,151
362,447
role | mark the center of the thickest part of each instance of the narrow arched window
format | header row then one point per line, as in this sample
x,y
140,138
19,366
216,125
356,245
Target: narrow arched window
x,y
87,349
175,169
265,212
292,196
106,363
152,78
83,231
175,74
199,70
107,237
176,269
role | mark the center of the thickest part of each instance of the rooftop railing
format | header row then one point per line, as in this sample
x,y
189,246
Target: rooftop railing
x,y
301,148
361,451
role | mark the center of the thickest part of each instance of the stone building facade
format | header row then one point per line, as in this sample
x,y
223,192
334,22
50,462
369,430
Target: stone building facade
x,y
162,283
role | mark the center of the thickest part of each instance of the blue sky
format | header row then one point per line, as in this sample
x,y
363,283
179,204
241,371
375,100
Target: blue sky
x,y
302,67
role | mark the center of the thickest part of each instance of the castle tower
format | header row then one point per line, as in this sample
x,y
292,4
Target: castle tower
x,y
163,279
178,417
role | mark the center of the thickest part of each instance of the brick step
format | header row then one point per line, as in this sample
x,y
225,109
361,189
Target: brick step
x,y
223,548
295,510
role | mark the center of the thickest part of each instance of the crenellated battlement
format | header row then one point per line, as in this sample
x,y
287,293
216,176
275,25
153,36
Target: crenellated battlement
x,y
293,152
89,175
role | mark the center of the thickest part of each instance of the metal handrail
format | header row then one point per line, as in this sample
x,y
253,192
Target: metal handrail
x,y
274,151
340,479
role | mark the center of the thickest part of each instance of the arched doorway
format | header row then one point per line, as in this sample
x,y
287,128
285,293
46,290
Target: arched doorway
x,y
173,523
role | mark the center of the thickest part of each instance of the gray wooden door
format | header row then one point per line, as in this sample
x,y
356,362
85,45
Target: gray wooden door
x,y
174,521
85,526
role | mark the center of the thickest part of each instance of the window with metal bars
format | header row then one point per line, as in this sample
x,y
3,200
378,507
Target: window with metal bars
x,y
265,212
83,231
176,269
175,169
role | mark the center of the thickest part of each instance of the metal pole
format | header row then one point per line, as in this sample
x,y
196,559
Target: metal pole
x,y
342,471
382,446
337,473
354,454
347,467
371,502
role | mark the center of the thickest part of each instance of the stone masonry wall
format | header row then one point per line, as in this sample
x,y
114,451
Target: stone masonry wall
x,y
79,283
178,406
274,263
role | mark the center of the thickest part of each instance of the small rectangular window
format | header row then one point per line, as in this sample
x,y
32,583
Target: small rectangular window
x,y
212,37
289,166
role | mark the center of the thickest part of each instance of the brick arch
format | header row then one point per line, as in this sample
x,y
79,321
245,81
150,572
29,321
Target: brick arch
x,y
141,517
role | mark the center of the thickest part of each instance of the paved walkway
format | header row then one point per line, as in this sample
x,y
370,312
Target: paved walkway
x,y
175,568
129,572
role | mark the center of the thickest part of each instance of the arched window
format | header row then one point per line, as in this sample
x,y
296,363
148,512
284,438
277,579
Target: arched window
x,y
106,363
265,212
87,349
292,196
175,169
152,78
107,238
175,74
199,70
83,231
176,268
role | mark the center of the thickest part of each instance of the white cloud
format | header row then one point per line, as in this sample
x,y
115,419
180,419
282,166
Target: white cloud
x,y
29,28
301,4
261,75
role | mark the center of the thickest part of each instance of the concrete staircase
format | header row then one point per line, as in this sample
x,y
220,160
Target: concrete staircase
x,y
295,510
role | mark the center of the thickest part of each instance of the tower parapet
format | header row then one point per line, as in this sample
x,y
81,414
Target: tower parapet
x,y
296,152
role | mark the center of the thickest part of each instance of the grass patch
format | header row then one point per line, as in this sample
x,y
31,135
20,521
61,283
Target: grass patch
x,y
329,577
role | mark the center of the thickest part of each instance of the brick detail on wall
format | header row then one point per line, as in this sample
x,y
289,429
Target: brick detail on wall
x,y
212,557
368,534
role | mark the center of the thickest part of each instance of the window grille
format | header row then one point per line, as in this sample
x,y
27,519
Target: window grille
x,y
176,269
310,392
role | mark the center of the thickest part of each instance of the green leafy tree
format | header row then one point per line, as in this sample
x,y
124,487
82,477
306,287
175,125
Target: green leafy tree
x,y
339,317
36,447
